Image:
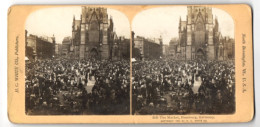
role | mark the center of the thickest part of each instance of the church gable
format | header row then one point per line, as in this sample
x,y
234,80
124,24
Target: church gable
x,y
93,18
199,23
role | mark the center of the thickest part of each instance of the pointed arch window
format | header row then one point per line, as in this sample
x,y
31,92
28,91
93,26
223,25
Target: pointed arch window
x,y
200,23
199,26
94,25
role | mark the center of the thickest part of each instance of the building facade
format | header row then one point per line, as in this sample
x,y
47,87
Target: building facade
x,y
40,47
58,50
200,38
149,48
165,51
122,48
66,47
174,48
93,35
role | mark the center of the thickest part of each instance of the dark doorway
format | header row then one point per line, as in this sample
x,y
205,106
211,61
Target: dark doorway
x,y
94,54
200,54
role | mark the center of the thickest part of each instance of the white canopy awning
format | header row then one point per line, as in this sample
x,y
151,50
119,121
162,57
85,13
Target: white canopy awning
x,y
133,59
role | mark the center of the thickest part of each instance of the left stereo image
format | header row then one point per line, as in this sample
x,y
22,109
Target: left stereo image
x,y
77,62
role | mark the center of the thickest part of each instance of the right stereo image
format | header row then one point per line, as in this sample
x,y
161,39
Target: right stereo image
x,y
183,61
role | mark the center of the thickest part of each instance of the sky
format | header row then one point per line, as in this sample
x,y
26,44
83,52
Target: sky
x,y
57,21
150,23
164,21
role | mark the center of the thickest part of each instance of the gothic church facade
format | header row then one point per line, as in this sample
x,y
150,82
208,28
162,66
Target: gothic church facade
x,y
93,35
200,38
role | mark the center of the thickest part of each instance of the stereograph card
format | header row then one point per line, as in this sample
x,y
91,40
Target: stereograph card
x,y
130,64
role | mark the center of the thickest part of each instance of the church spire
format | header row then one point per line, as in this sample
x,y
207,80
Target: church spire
x,y
180,24
73,23
216,23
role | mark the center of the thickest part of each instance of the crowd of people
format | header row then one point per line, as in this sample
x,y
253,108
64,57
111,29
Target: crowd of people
x,y
58,87
183,87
